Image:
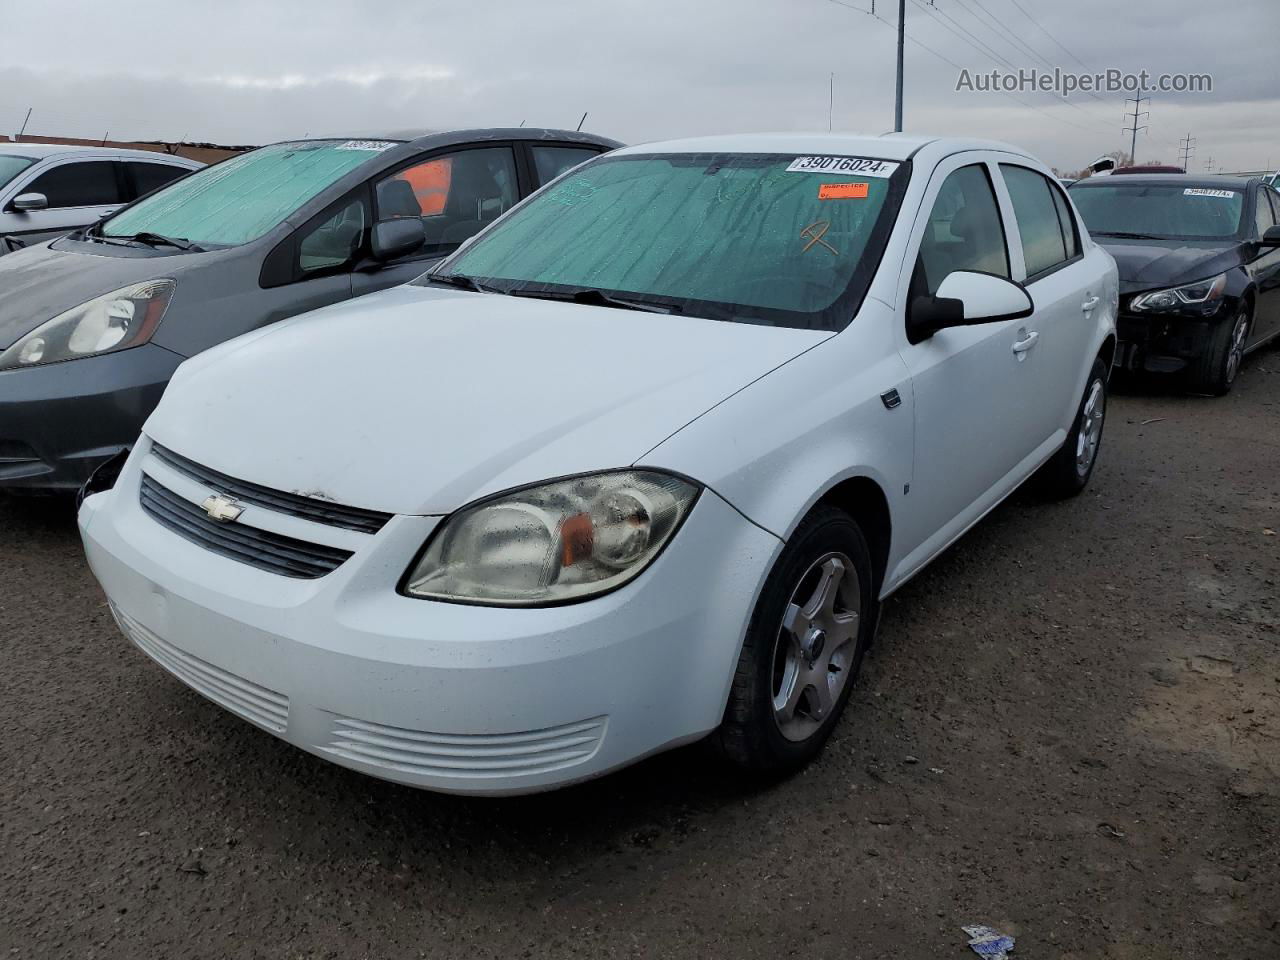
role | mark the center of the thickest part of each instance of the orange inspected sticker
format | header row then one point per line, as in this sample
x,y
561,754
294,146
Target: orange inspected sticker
x,y
843,191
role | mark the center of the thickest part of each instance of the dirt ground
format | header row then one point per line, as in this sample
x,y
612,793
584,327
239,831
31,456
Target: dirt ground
x,y
1070,729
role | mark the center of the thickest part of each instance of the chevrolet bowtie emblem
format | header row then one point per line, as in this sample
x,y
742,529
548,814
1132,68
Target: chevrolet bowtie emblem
x,y
223,509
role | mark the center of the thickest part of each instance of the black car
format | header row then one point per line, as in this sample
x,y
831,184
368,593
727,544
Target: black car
x,y
1199,261
94,324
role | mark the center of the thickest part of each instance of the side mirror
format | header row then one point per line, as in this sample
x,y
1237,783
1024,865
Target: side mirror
x,y
396,238
964,299
26,202
1272,237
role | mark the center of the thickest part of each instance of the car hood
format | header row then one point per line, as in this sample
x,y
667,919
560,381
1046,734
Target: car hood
x,y
38,283
1150,264
417,400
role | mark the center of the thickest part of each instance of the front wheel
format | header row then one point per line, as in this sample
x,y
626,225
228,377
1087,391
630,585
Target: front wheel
x,y
1068,471
804,646
1216,370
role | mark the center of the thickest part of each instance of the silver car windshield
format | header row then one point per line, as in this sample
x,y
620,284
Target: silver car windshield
x,y
10,167
755,238
241,199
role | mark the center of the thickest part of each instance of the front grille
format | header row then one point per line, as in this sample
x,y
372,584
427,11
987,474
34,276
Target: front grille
x,y
239,541
466,755
255,703
293,504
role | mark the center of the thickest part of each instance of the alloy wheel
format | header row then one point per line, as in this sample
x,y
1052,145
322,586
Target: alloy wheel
x,y
817,640
1235,352
1090,434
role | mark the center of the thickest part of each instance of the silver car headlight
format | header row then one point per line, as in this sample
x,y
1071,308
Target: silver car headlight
x,y
554,542
115,321
1190,294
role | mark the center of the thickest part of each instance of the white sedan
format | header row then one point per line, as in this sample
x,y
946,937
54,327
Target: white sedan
x,y
635,466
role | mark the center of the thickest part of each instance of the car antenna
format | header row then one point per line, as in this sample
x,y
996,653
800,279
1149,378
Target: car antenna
x,y
582,121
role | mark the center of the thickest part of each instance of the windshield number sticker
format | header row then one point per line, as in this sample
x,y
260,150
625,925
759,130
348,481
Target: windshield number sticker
x,y
853,166
844,191
376,146
1204,192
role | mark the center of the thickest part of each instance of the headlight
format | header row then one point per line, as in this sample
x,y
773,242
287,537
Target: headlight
x,y
1202,291
555,542
115,321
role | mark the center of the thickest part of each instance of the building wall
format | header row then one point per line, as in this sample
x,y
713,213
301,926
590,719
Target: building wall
x,y
204,152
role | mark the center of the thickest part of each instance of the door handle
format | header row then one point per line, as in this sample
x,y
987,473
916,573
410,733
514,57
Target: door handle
x,y
1090,304
1020,347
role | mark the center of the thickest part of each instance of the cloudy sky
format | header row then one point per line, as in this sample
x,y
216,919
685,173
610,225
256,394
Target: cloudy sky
x,y
236,71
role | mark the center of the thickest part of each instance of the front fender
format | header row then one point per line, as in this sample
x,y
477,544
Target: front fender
x,y
775,448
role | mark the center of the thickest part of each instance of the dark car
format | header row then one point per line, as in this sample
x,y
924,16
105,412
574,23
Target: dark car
x,y
1199,261
93,325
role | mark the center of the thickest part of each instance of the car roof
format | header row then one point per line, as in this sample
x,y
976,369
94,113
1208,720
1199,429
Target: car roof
x,y
40,151
1188,179
446,138
889,146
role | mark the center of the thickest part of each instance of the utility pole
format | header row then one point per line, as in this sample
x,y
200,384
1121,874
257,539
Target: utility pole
x,y
1187,146
831,99
1136,115
902,37
1208,165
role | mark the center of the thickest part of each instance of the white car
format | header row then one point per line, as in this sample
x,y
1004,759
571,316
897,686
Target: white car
x,y
636,465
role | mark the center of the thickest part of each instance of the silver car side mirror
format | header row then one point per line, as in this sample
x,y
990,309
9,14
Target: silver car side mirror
x,y
27,202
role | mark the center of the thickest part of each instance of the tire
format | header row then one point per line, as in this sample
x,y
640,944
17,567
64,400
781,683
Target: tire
x,y
1067,472
765,732
1217,368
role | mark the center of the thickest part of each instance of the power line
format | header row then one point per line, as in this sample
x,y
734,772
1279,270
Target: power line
x,y
982,47
1048,34
948,60
999,28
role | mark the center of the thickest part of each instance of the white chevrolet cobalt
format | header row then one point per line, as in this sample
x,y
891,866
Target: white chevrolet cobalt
x,y
636,465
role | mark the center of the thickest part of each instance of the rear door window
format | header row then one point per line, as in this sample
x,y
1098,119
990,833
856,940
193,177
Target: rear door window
x,y
91,183
550,162
455,194
1039,222
152,176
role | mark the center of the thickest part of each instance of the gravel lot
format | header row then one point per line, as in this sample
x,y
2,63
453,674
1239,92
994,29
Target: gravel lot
x,y
1070,729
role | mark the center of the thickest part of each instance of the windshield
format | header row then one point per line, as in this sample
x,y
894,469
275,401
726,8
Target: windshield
x,y
243,198
754,238
1164,211
10,167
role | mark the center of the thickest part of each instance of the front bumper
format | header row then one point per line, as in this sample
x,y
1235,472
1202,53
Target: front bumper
x,y
59,422
1166,342
451,697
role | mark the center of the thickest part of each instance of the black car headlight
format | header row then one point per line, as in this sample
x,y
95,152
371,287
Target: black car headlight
x,y
555,542
115,321
1196,294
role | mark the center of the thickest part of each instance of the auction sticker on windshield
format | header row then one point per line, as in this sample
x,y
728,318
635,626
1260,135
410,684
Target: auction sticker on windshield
x,y
854,166
375,145
857,190
1204,192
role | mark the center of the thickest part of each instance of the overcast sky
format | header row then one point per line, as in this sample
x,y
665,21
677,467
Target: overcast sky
x,y
252,72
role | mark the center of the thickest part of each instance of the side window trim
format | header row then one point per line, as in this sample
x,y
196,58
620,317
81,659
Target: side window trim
x,y
1029,279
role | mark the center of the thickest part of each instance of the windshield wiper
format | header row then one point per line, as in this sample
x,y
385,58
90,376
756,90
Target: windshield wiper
x,y
1124,236
462,282
159,240
597,298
